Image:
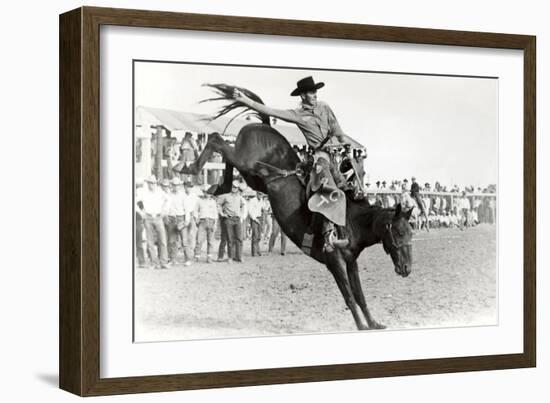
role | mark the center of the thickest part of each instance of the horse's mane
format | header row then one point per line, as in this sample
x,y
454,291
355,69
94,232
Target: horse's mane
x,y
365,214
225,93
276,145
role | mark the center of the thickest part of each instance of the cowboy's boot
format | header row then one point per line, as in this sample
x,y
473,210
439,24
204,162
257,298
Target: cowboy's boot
x,y
331,239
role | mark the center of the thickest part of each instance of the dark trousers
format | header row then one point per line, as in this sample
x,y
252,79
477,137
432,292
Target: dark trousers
x,y
224,239
255,239
234,237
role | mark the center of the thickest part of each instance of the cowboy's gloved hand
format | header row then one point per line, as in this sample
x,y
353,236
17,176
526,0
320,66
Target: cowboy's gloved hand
x,y
238,95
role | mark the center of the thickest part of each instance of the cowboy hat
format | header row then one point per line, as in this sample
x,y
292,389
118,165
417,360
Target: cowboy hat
x,y
177,181
151,179
305,85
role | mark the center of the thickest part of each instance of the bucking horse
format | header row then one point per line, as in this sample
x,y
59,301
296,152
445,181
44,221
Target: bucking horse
x,y
267,162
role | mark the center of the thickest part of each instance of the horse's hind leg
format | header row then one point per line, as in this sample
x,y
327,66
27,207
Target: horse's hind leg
x,y
336,264
357,289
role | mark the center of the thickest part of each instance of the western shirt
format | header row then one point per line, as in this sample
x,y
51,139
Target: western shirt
x,y
316,123
230,205
176,204
154,203
254,209
207,208
190,204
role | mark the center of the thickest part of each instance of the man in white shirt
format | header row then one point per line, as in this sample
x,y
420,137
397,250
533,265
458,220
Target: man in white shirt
x,y
244,212
140,226
465,209
255,215
266,218
173,214
152,204
189,230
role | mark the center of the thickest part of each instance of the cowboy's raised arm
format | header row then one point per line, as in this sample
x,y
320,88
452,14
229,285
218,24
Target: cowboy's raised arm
x,y
286,115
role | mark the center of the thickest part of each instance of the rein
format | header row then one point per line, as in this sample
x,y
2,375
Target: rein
x,y
280,173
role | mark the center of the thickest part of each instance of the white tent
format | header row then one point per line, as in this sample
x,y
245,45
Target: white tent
x,y
180,122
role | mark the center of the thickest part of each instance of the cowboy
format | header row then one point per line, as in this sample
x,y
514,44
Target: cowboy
x,y
140,225
415,194
175,218
254,209
165,186
321,129
207,214
231,209
151,206
189,229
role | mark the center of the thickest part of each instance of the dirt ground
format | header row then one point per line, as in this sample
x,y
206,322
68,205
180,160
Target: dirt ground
x,y
453,283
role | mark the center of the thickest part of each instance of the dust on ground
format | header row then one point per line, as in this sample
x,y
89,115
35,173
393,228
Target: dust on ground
x,y
453,283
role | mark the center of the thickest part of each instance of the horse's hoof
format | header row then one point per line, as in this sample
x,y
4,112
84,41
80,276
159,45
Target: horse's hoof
x,y
377,326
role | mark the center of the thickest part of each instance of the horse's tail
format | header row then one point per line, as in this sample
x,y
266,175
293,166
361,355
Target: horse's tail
x,y
225,93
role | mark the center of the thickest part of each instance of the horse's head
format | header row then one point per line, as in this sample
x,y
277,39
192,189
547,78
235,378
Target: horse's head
x,y
397,239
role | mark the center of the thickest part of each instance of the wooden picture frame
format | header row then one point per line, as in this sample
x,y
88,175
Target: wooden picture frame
x,y
79,346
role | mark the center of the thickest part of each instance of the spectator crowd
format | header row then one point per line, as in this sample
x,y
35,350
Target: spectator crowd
x,y
177,222
437,206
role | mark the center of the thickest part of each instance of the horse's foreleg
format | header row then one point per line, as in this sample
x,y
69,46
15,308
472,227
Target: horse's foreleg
x,y
336,265
357,289
225,186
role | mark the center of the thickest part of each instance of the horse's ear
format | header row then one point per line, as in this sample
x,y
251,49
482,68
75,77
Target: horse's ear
x,y
397,210
408,213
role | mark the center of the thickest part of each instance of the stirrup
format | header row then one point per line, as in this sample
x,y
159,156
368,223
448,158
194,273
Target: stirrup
x,y
332,242
340,243
329,238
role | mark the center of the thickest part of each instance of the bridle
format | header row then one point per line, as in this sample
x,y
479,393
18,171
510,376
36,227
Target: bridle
x,y
394,245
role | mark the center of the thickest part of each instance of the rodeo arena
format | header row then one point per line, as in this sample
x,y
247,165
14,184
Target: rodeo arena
x,y
200,273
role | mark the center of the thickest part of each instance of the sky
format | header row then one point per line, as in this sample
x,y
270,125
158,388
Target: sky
x,y
437,128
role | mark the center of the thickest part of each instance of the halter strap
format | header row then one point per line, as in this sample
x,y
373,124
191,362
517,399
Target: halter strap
x,y
394,244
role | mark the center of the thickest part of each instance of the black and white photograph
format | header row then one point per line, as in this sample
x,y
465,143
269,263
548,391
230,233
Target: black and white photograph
x,y
274,201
